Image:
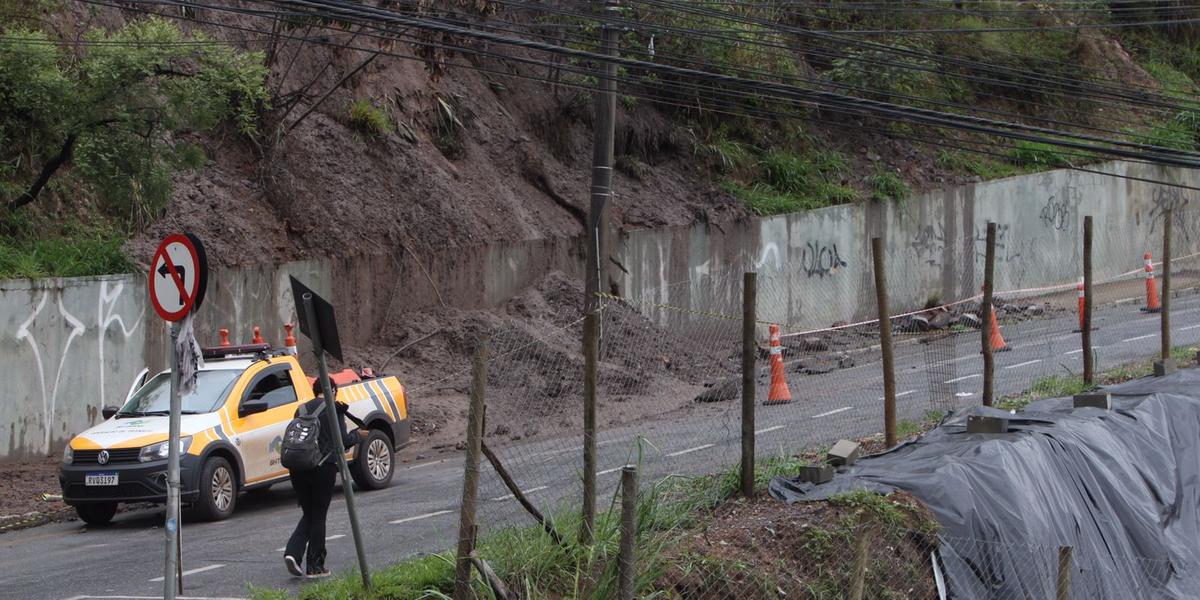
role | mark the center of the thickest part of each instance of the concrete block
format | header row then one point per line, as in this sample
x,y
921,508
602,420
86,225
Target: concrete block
x,y
843,453
1101,400
981,424
816,474
1163,368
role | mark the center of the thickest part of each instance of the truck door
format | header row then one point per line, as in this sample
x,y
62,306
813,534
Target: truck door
x,y
258,436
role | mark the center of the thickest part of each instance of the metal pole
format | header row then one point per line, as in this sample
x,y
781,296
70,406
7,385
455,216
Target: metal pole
x,y
1165,318
1088,361
985,311
885,343
314,335
597,248
590,351
171,568
470,492
1063,582
749,303
626,562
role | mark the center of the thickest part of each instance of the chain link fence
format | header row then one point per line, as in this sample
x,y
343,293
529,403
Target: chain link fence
x,y
669,390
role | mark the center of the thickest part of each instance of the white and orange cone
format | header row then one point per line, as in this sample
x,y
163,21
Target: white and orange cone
x,y
258,338
1082,301
289,340
779,393
1152,303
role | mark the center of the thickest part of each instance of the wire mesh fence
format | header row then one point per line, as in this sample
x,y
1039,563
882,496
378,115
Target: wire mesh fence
x,y
669,390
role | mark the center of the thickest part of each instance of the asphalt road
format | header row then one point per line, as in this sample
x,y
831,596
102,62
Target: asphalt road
x,y
418,513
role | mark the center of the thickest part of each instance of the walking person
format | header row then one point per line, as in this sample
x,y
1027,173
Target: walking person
x,y
314,486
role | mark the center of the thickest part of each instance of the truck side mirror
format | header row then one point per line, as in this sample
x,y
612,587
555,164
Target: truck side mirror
x,y
252,407
108,411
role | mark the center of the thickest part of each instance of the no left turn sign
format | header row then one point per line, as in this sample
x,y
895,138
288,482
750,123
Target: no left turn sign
x,y
178,276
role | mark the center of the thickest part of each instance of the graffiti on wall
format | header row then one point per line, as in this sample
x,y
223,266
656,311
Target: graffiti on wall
x,y
1061,210
820,260
1186,227
1006,248
929,243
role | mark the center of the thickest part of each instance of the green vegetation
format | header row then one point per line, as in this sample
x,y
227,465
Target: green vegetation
x,y
981,166
102,133
367,119
1038,155
786,182
1058,386
886,185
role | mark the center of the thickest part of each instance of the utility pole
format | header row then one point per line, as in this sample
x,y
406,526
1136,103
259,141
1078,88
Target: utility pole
x,y
597,256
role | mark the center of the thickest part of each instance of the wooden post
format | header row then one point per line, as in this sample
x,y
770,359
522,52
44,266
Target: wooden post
x,y
591,326
1165,318
858,571
1086,329
749,349
985,314
627,565
466,522
1063,584
885,344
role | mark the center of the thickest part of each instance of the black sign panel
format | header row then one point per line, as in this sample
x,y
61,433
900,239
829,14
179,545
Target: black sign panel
x,y
326,323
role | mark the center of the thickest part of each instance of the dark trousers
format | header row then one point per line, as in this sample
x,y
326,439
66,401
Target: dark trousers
x,y
314,490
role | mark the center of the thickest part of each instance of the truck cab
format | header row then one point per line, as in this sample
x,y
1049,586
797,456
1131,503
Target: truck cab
x,y
231,429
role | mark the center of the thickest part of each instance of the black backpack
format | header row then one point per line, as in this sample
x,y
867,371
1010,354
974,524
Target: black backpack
x,y
301,448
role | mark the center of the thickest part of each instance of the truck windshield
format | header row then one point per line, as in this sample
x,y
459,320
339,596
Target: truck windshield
x,y
154,398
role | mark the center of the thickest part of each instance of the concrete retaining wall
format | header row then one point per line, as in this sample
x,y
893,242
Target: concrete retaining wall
x,y
71,346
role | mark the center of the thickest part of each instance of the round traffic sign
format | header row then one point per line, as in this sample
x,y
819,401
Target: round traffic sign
x,y
178,276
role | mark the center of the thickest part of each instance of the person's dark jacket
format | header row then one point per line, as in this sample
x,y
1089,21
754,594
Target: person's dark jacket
x,y
325,440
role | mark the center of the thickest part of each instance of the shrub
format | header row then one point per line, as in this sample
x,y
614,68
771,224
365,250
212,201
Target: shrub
x,y
368,119
1038,155
886,185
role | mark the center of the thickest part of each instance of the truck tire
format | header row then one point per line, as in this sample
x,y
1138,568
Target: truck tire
x,y
376,462
96,514
218,490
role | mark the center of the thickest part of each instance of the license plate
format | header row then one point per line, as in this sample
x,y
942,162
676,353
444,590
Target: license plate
x,y
100,479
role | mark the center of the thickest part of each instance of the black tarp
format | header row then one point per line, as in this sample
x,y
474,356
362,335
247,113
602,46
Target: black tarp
x,y
1121,487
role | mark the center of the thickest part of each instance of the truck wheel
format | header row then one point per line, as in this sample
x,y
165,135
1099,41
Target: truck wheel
x,y
97,514
373,468
218,490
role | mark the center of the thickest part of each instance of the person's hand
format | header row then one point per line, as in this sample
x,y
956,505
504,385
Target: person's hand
x,y
363,434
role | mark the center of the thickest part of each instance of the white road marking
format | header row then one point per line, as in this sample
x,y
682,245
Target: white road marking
x,y
902,394
1140,337
511,497
964,394
1024,364
419,517
1073,352
690,450
833,412
768,430
1188,327
327,538
963,378
193,571
428,464
612,470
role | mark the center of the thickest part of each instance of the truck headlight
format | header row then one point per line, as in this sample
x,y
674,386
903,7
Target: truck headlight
x,y
160,450
68,455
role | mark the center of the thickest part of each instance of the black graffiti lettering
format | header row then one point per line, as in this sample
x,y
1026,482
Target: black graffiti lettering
x,y
1056,213
929,243
821,260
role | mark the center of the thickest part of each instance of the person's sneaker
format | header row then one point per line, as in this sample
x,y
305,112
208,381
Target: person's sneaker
x,y
317,573
293,566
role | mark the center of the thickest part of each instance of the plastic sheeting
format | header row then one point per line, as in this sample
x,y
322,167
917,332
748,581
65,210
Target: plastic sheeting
x,y
1122,487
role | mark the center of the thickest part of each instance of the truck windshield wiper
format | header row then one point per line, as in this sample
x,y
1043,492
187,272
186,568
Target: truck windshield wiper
x,y
130,413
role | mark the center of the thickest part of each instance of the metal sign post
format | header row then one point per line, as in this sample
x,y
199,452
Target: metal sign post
x,y
317,321
178,278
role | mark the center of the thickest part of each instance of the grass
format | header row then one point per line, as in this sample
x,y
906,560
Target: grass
x,y
788,182
367,119
886,185
1058,386
979,165
75,251
1038,155
727,155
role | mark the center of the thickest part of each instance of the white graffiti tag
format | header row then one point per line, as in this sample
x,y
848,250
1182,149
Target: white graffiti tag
x,y
49,393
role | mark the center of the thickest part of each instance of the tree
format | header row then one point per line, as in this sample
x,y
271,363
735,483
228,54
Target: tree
x,y
118,112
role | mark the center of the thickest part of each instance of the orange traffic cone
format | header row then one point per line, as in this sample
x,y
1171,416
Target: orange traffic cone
x,y
224,333
779,393
994,336
1152,304
258,338
289,340
1079,292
